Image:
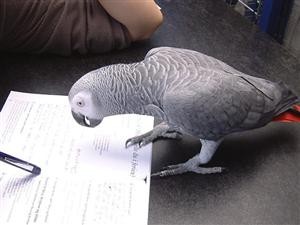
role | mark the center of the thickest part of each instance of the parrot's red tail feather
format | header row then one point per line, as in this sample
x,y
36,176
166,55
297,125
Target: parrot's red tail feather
x,y
291,115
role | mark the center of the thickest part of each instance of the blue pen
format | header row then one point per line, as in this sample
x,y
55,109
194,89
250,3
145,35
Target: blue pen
x,y
20,163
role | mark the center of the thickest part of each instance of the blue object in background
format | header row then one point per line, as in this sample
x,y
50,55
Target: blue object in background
x,y
265,16
274,17
270,15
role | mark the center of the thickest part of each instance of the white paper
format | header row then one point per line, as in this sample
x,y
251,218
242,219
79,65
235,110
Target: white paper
x,y
88,176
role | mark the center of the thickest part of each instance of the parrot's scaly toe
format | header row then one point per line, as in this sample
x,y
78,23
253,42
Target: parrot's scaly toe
x,y
209,170
165,173
183,168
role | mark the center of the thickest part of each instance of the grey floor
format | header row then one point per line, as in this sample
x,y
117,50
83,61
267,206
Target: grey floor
x,y
261,185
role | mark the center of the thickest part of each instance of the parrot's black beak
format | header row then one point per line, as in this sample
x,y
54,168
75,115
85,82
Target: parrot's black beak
x,y
84,121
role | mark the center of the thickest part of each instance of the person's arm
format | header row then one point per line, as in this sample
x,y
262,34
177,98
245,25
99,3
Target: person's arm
x,y
140,17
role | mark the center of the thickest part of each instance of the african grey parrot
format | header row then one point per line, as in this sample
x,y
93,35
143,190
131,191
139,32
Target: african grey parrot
x,y
191,93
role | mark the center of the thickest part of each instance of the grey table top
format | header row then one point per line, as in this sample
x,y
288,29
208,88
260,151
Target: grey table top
x,y
262,182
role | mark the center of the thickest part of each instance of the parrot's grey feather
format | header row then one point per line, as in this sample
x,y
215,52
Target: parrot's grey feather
x,y
214,98
191,92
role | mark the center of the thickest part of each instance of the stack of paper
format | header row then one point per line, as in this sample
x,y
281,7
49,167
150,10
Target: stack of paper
x,y
88,176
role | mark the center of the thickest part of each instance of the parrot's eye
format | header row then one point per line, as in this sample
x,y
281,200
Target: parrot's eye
x,y
80,103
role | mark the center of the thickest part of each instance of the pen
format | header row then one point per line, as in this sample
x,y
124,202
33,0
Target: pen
x,y
20,163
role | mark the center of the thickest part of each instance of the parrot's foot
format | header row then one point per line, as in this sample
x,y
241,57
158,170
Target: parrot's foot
x,y
183,168
161,130
192,165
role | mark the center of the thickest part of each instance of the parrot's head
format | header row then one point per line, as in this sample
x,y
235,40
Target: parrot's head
x,y
85,101
99,94
84,110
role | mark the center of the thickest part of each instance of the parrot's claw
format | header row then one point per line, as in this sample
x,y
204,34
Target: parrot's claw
x,y
142,143
162,130
183,168
140,140
128,143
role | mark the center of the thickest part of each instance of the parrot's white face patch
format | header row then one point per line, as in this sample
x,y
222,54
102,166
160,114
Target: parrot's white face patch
x,y
82,103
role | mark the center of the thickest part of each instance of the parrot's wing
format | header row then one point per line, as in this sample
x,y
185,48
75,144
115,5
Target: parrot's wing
x,y
209,98
190,57
191,63
212,109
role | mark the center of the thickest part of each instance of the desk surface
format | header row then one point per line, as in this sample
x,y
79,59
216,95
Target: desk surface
x,y
262,182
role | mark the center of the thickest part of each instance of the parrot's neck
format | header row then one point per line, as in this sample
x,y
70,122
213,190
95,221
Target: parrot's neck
x,y
129,92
